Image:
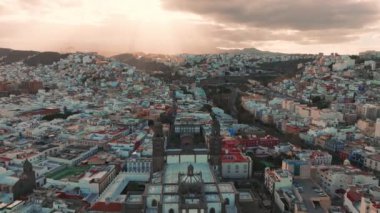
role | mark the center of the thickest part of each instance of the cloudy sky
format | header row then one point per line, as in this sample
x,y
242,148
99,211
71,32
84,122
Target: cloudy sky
x,y
192,26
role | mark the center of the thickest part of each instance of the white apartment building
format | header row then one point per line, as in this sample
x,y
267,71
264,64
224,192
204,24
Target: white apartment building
x,y
332,178
316,157
361,199
276,179
372,162
377,128
72,155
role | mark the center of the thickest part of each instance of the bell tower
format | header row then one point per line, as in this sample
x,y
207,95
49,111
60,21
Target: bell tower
x,y
215,145
158,148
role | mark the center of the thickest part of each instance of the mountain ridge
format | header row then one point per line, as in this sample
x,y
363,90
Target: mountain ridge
x,y
29,57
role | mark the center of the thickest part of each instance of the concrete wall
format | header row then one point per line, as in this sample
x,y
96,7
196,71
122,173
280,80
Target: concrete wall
x,y
236,170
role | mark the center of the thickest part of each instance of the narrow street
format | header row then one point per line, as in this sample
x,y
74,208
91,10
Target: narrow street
x,y
230,103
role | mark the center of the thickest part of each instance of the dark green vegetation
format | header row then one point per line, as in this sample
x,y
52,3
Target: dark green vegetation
x,y
68,171
142,63
283,67
134,187
44,58
58,116
259,164
31,58
319,102
11,56
154,68
283,70
357,59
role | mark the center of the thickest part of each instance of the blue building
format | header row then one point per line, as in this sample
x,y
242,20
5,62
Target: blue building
x,y
357,157
334,145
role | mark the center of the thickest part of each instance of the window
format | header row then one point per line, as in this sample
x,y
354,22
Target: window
x,y
227,201
212,210
154,203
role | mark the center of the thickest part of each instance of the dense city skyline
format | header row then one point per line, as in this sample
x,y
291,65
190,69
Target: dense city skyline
x,y
282,115
180,26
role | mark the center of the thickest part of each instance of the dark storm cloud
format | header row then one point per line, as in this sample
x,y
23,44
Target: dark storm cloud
x,y
222,36
245,35
284,14
306,22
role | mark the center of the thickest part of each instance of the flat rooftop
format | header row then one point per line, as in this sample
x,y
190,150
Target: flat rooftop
x,y
134,199
154,189
71,152
193,118
172,171
226,188
171,198
283,173
44,147
245,196
212,197
233,157
310,192
114,191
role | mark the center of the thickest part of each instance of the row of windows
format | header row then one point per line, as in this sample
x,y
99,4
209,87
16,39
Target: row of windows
x,y
229,172
138,164
245,166
212,210
371,162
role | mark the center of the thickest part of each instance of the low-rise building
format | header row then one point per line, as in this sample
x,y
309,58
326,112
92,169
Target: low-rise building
x,y
372,162
190,123
377,128
298,168
138,165
334,179
236,165
360,199
91,179
73,154
315,157
304,198
276,179
7,181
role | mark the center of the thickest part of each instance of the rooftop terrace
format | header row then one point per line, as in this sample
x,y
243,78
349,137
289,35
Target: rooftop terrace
x,y
67,172
172,170
311,194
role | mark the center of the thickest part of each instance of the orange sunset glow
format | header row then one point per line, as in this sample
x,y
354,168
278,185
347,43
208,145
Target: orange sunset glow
x,y
179,26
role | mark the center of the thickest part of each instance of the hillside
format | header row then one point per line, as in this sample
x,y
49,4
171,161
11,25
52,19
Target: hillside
x,y
31,58
143,63
252,51
44,58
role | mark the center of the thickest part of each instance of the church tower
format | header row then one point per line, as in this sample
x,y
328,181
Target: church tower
x,y
215,147
158,148
27,182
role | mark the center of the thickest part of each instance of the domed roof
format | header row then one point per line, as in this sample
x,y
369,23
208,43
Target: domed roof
x,y
190,183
